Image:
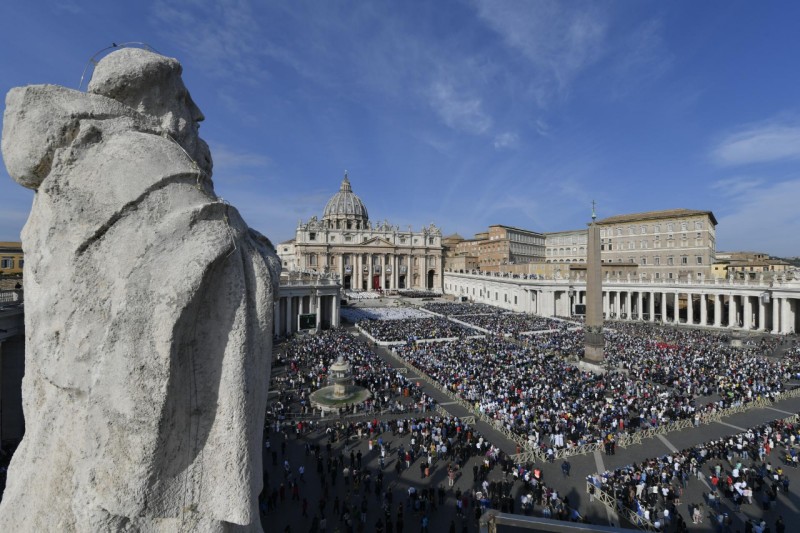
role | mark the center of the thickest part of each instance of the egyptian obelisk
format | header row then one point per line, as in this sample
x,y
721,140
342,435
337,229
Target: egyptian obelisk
x,y
594,343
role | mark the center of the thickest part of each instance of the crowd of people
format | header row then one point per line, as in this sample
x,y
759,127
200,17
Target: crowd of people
x,y
410,330
357,314
738,469
515,324
308,358
416,293
463,308
698,363
534,392
360,295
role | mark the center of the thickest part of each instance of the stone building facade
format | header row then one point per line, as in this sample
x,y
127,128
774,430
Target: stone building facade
x,y
672,244
365,255
566,246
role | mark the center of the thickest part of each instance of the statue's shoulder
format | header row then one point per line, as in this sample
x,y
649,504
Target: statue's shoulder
x,y
39,119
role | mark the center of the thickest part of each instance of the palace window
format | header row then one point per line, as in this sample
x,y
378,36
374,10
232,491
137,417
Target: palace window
x,y
699,259
312,236
684,260
670,261
657,260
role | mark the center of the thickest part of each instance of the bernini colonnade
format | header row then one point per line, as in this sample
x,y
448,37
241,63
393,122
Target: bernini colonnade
x,y
750,305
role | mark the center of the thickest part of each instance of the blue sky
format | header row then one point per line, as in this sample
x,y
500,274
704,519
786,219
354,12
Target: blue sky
x,y
464,113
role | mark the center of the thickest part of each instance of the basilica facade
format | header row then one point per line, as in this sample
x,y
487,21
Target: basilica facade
x,y
365,255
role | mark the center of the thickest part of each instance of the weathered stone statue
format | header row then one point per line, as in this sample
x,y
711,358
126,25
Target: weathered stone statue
x,y
148,313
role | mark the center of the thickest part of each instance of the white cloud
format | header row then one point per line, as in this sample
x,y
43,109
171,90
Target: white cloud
x,y
460,112
761,143
558,40
763,218
221,36
506,140
736,186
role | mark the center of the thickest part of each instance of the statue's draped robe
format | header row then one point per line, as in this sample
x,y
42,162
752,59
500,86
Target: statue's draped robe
x,y
148,314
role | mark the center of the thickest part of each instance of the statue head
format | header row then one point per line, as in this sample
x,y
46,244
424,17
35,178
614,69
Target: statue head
x,y
152,85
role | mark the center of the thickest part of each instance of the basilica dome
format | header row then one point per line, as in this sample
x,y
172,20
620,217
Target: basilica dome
x,y
345,210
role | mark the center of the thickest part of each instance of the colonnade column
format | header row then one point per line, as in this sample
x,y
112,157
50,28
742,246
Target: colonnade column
x,y
747,311
651,297
703,310
395,274
334,311
276,317
717,310
676,310
731,311
318,310
689,308
776,315
371,273
787,317
606,304
640,305
762,314
664,307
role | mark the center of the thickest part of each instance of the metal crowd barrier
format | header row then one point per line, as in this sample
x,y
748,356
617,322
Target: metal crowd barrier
x,y
610,502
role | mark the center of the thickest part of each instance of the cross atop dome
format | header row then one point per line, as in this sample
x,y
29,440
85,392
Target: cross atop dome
x,y
345,184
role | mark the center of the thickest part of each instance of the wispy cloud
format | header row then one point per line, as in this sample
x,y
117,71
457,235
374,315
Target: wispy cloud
x,y
506,140
760,143
737,186
459,111
220,36
559,40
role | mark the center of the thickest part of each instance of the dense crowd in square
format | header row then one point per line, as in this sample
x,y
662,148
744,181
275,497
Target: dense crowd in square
x,y
410,330
514,324
738,468
360,295
416,293
463,308
555,404
307,360
358,314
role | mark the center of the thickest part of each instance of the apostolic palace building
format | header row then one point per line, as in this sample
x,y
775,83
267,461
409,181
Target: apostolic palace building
x,y
365,255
